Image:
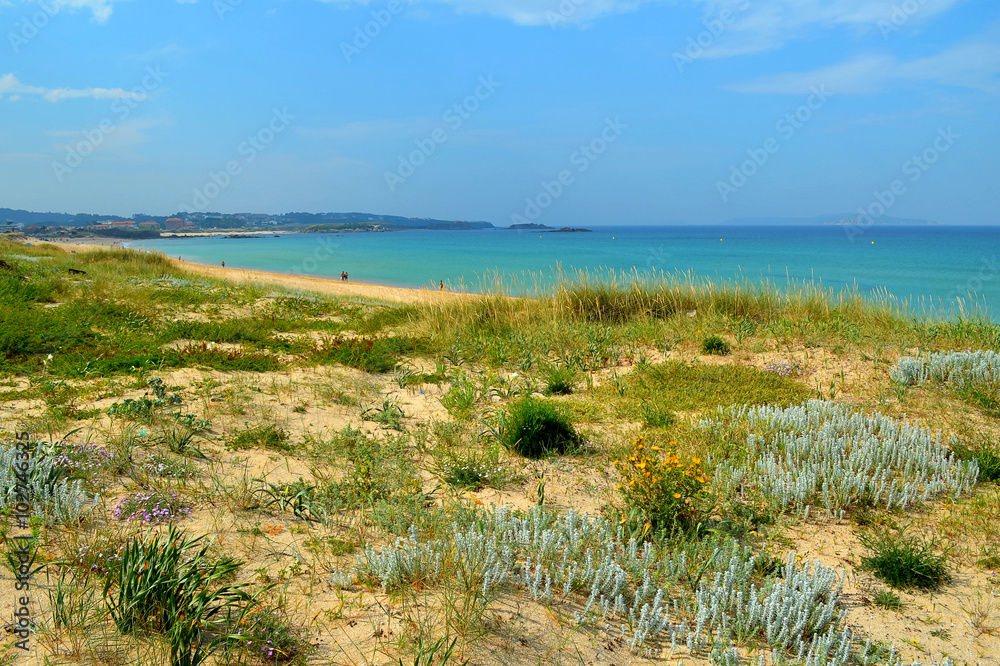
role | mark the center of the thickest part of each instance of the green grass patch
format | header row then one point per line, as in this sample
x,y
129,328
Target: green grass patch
x,y
533,429
714,345
266,436
903,562
375,355
649,394
560,380
888,600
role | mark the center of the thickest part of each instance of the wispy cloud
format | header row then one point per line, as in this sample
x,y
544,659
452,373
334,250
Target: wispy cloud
x,y
767,26
972,64
762,26
533,12
12,88
121,142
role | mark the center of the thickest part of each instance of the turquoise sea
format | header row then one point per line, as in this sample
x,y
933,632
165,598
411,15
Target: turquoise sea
x,y
921,264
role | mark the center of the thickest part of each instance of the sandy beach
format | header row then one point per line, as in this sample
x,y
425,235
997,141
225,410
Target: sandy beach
x,y
317,284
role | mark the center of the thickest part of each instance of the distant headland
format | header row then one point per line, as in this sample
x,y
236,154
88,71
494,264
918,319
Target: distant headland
x,y
141,226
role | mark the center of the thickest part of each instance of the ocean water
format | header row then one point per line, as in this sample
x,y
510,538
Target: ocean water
x,y
922,265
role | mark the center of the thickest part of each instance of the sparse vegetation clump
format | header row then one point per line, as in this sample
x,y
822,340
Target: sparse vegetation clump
x,y
663,489
534,428
266,436
904,562
560,380
715,346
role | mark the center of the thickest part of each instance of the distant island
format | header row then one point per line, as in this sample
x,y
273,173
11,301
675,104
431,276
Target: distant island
x,y
141,226
534,226
529,226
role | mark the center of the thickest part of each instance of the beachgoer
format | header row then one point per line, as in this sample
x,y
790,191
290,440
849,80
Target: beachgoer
x,y
223,264
441,285
345,276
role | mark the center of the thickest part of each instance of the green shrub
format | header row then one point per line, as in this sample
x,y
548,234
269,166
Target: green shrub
x,y
534,429
260,437
660,488
389,414
163,583
655,416
904,562
986,456
560,380
460,400
714,345
888,600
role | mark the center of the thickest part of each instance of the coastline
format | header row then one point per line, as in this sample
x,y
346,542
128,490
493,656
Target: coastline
x,y
322,285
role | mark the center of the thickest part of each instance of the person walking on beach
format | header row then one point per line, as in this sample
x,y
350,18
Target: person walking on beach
x,y
441,285
343,275
223,264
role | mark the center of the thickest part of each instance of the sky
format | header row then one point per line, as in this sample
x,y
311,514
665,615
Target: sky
x,y
560,112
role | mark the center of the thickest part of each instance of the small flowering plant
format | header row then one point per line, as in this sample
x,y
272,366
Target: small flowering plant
x,y
667,490
267,637
473,471
81,460
783,369
150,508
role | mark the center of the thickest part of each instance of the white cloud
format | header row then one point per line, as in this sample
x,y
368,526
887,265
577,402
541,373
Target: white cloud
x,y
120,142
758,27
972,64
11,86
100,10
534,12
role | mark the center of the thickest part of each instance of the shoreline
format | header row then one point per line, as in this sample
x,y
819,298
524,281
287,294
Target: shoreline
x,y
322,285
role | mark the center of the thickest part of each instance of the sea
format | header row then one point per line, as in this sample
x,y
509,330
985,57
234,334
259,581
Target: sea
x,y
930,269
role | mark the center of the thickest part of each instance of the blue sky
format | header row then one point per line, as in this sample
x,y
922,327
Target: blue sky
x,y
556,111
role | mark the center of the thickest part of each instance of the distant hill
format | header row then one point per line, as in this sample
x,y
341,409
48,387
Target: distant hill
x,y
832,219
389,221
48,219
211,219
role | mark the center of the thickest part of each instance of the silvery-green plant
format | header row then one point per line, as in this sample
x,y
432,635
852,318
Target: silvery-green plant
x,y
648,594
52,498
976,368
826,454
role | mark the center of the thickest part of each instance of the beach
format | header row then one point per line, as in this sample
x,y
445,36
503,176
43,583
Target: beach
x,y
322,285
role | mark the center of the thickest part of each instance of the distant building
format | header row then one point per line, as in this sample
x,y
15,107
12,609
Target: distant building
x,y
177,223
